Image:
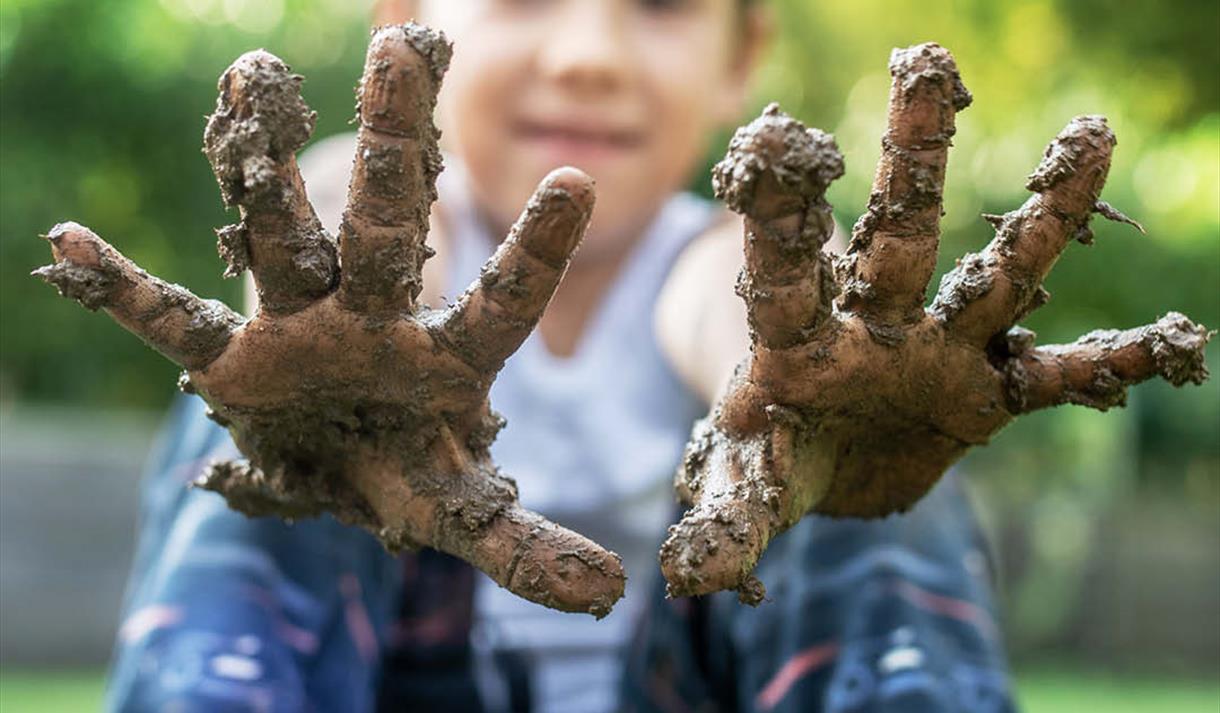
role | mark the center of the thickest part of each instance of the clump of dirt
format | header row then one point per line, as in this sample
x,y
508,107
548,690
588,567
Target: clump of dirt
x,y
260,121
801,160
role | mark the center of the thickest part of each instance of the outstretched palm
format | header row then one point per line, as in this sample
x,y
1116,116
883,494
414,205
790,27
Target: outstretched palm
x,y
856,398
347,396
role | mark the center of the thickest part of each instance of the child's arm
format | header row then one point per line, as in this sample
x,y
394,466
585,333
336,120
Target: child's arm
x,y
346,395
855,398
700,322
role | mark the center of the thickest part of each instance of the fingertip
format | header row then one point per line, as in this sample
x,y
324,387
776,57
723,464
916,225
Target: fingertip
x,y
402,74
555,218
75,243
920,58
931,65
1094,124
259,112
253,61
775,164
86,269
389,45
926,92
411,42
582,578
57,232
1090,130
708,551
578,185
249,73
1079,154
550,565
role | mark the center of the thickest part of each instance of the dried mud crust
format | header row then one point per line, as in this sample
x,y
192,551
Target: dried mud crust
x,y
802,161
251,140
303,471
855,405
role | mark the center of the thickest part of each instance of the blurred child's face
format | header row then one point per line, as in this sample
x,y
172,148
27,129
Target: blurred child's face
x,y
627,90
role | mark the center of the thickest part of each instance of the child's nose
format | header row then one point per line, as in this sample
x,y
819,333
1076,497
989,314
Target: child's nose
x,y
587,47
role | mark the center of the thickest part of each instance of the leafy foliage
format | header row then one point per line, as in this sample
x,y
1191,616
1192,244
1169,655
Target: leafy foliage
x,y
102,118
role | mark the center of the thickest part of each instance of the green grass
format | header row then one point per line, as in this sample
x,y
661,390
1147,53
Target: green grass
x,y
37,691
1040,691
1067,690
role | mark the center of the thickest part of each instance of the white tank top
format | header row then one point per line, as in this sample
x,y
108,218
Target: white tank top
x,y
592,440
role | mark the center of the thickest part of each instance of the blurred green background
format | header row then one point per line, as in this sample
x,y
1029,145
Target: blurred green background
x,y
1107,526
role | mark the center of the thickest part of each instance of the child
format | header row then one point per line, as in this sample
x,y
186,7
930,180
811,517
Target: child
x,y
230,613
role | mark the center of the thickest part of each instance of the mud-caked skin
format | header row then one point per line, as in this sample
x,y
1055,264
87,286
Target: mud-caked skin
x,y
855,399
345,395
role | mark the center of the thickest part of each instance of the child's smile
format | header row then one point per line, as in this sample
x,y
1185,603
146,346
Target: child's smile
x,y
561,140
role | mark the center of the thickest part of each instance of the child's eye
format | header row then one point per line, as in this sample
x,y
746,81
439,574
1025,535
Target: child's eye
x,y
666,5
525,4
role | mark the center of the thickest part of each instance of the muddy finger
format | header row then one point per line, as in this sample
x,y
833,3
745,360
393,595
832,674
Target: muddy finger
x,y
550,565
251,140
1096,369
744,489
894,244
990,291
475,515
382,236
775,175
498,311
188,330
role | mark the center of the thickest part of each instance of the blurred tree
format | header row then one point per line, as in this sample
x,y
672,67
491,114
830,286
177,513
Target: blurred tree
x,y
101,121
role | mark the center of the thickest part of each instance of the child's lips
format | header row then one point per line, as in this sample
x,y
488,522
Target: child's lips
x,y
565,142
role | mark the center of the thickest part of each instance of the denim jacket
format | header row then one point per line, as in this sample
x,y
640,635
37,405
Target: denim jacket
x,y
229,613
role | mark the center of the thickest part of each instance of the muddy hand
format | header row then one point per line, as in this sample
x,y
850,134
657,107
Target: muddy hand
x,y
855,398
346,396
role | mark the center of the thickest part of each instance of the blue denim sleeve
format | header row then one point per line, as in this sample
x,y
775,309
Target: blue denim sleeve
x,y
229,613
862,616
